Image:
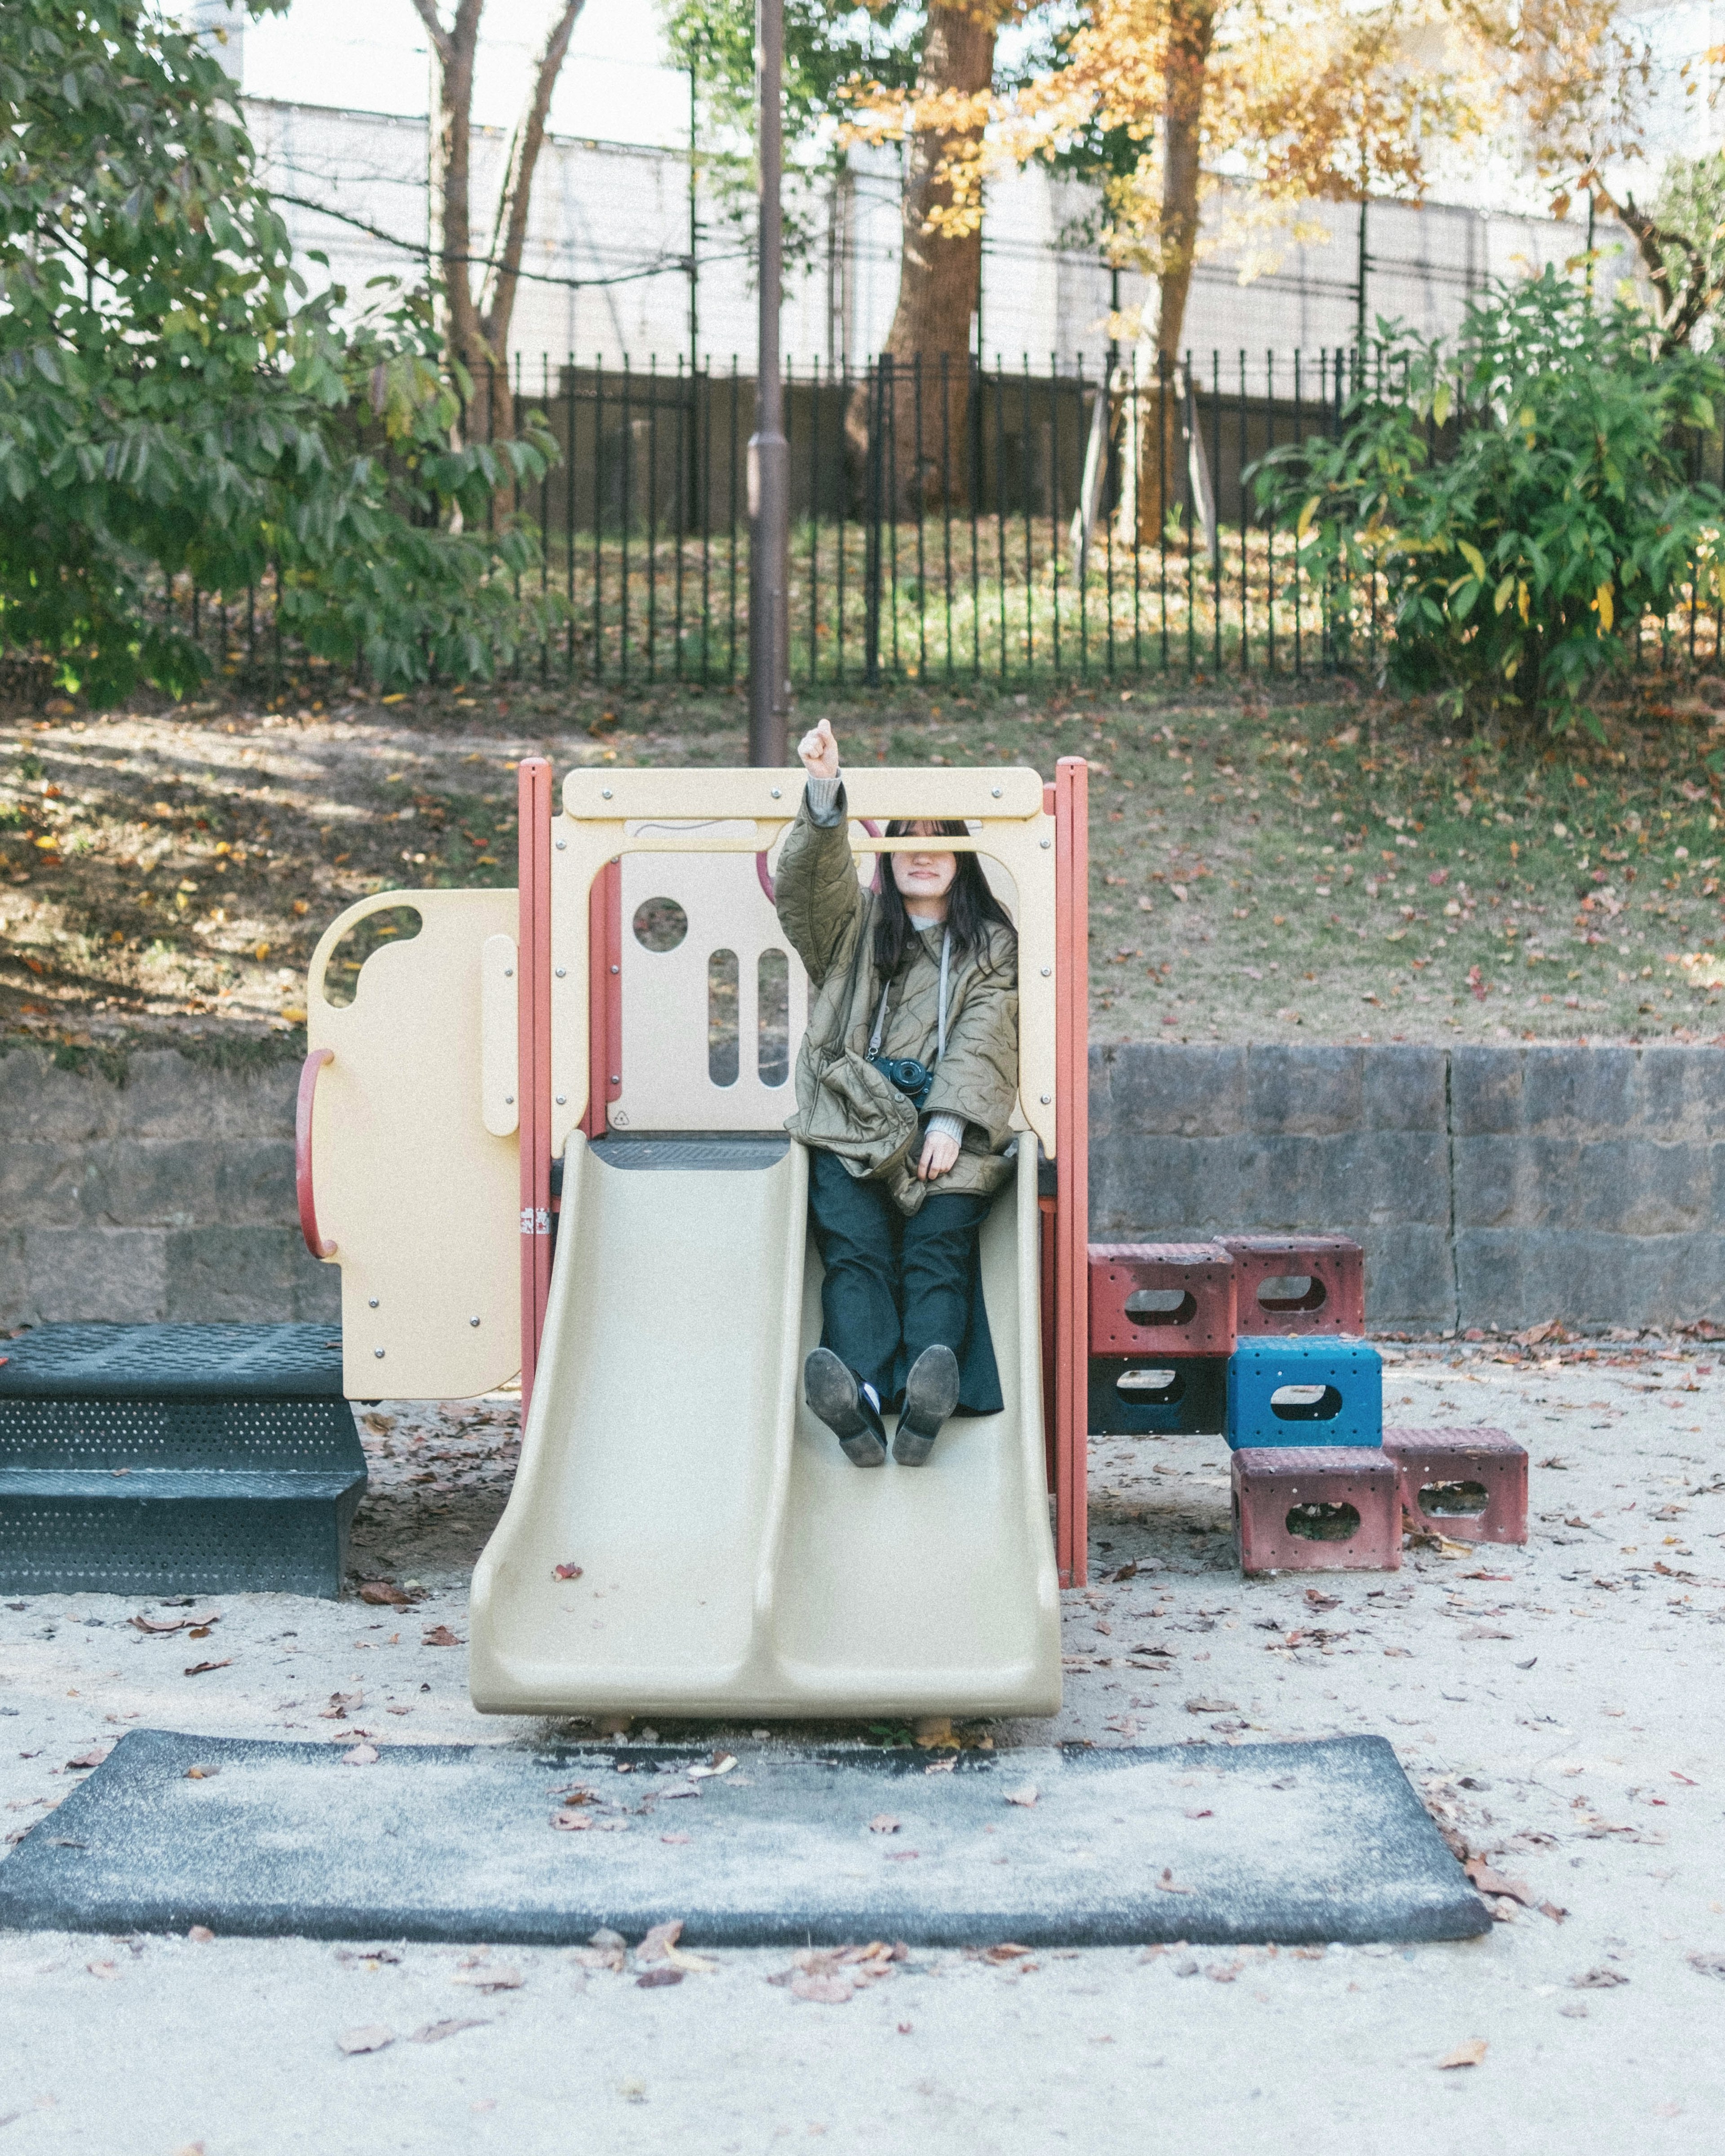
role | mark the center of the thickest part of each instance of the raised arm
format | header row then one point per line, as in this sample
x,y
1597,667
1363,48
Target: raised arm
x,y
818,900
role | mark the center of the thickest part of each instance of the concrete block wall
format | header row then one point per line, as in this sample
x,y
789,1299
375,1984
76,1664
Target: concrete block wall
x,y
1490,1187
169,1196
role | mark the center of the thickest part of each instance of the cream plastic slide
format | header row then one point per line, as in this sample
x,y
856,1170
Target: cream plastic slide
x,y
730,1559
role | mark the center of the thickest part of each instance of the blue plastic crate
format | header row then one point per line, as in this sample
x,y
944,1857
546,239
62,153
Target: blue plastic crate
x,y
1343,1381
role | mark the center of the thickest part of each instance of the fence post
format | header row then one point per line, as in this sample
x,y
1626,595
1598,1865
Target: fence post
x,y
871,520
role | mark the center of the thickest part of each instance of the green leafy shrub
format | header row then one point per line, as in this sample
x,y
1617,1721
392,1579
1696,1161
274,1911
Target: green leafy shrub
x,y
1522,499
171,402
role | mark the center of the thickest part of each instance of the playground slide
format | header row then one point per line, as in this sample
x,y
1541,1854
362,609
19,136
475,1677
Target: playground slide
x,y
730,1558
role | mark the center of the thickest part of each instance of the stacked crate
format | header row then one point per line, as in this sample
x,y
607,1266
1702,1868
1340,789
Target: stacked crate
x,y
1257,1338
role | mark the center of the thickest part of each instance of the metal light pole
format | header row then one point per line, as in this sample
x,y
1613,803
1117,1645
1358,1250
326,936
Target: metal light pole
x,y
769,456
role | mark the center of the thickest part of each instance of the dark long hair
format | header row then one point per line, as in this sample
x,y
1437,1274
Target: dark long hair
x,y
971,906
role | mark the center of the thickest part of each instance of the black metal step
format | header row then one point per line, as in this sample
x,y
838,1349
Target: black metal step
x,y
176,1459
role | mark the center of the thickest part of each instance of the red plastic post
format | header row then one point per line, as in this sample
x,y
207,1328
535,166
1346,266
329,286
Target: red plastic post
x,y
1072,1159
302,1152
533,1054
605,997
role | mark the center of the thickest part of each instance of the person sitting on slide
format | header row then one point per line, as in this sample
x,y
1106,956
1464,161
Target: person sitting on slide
x,y
905,1085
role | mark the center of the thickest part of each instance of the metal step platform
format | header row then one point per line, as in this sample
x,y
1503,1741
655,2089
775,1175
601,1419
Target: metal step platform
x,y
176,1459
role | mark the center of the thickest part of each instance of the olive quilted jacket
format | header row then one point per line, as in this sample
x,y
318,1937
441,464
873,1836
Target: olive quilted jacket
x,y
844,1105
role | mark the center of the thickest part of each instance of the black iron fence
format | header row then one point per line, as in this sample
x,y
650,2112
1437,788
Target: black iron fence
x,y
950,522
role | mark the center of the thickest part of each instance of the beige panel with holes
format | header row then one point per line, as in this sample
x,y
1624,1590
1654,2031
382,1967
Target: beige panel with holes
x,y
695,1053
422,1201
731,1560
735,814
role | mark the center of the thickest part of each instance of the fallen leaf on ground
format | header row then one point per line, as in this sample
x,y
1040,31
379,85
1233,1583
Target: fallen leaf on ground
x,y
434,2032
439,1635
1489,1882
696,1964
200,1935
663,1837
1598,1979
362,1755
374,2038
198,1669
569,1822
721,1764
383,1594
567,1571
822,1991
104,1969
1026,1795
201,1773
662,1936
1211,1706
1166,1885
1464,2054
488,1976
656,1977
883,1823
1317,1599
1007,1950
93,1758
902,1855
340,1701
159,1624
1707,1964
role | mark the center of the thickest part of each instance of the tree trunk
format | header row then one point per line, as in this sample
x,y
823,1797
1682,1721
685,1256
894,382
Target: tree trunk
x,y
925,398
477,331
1157,433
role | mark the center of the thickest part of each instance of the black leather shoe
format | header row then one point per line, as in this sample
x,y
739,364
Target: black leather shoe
x,y
931,1394
833,1394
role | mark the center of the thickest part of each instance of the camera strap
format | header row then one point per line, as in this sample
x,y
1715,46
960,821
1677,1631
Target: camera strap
x,y
940,1036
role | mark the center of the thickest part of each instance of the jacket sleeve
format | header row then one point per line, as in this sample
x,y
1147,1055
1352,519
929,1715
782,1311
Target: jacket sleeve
x,y
977,1078
818,898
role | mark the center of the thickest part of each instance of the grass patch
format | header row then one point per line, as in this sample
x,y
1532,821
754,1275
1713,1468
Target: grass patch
x,y
1271,861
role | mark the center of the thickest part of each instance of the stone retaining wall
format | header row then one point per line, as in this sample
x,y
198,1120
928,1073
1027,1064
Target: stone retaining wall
x,y
1490,1187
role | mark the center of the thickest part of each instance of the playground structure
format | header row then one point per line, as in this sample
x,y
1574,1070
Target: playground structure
x,y
547,1135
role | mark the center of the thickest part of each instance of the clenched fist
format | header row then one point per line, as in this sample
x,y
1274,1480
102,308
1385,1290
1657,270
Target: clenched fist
x,y
819,752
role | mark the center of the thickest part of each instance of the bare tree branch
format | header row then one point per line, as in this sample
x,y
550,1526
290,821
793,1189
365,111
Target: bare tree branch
x,y
427,12
510,233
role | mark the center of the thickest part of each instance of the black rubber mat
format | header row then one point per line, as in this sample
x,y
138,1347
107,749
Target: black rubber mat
x,y
1290,1842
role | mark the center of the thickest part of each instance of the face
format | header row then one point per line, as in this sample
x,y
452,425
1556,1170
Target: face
x,y
924,875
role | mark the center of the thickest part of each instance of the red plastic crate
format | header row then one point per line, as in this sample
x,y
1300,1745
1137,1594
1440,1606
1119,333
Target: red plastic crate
x,y
1285,1497
1193,1283
1333,1266
1485,1467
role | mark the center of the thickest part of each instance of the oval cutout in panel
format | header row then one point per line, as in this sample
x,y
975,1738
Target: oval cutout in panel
x,y
722,1060
1284,1292
391,924
1152,1388
660,924
1161,1305
1323,1523
772,1017
1458,1500
1306,1403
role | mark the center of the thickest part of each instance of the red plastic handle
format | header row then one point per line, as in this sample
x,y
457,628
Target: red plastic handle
x,y
302,1152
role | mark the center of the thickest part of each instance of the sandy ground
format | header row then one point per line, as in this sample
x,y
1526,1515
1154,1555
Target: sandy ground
x,y
1556,1706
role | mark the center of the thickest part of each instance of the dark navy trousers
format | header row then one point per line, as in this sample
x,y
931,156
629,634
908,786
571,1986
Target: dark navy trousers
x,y
895,1285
